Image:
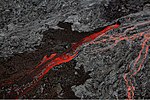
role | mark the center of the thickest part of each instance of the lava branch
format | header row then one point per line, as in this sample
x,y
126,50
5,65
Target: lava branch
x,y
141,58
133,72
32,78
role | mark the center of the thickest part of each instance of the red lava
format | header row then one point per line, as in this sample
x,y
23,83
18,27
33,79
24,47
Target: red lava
x,y
56,59
139,61
47,63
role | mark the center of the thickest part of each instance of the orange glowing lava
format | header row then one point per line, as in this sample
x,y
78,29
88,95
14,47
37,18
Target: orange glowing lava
x,y
139,61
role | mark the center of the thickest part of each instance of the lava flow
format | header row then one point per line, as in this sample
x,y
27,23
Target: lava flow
x,y
25,84
144,39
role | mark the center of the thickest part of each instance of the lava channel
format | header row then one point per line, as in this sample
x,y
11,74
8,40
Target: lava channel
x,y
29,81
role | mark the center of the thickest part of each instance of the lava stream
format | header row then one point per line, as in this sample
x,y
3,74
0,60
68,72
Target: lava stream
x,y
30,80
110,40
130,38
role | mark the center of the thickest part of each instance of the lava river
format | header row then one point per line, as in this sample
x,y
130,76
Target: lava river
x,y
32,78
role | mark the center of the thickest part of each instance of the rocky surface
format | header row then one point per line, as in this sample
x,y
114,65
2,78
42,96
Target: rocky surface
x,y
21,22
108,65
31,29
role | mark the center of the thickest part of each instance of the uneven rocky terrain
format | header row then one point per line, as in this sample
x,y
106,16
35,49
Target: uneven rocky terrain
x,y
121,52
106,68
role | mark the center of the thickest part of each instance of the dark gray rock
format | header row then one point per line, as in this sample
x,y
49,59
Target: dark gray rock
x,y
109,65
27,19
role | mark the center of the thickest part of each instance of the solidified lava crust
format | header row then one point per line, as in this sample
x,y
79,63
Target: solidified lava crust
x,y
94,49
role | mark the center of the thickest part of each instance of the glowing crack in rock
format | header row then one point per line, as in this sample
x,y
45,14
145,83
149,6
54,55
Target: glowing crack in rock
x,y
32,78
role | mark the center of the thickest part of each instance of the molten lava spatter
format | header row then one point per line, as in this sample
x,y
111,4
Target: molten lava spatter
x,y
32,78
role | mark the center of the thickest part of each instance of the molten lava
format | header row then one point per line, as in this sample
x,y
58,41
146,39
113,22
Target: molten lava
x,y
30,80
33,77
141,58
